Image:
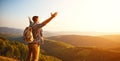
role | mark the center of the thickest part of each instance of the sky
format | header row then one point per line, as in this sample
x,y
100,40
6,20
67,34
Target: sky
x,y
73,15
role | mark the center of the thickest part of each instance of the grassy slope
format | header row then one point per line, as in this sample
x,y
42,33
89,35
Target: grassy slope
x,y
88,54
80,40
2,58
67,52
115,38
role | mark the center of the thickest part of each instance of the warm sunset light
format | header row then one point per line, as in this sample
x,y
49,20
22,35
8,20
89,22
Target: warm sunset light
x,y
59,30
73,15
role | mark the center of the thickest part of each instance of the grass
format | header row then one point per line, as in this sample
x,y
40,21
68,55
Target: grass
x,y
2,58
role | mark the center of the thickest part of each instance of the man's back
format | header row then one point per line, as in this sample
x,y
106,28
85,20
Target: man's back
x,y
37,32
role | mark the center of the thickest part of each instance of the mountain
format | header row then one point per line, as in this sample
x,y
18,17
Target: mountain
x,y
90,33
86,41
13,32
115,38
88,54
54,46
18,32
53,50
62,48
76,40
79,53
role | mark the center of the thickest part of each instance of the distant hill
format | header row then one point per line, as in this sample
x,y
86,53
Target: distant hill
x,y
53,50
88,54
80,53
80,40
51,46
13,32
90,33
76,40
18,32
115,38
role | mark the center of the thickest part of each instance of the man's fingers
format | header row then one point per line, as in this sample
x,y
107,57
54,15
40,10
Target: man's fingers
x,y
55,13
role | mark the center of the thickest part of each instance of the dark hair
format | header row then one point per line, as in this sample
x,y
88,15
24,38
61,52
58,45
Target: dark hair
x,y
34,18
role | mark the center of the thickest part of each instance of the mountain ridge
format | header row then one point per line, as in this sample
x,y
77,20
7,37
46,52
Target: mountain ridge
x,y
82,40
19,32
66,52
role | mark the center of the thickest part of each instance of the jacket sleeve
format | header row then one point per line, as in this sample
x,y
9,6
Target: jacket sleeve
x,y
45,22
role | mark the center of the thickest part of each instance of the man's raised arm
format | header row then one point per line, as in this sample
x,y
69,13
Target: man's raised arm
x,y
49,19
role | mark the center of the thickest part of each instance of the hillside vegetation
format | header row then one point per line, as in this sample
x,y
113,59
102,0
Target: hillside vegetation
x,y
80,53
86,41
56,51
63,48
18,51
115,38
2,58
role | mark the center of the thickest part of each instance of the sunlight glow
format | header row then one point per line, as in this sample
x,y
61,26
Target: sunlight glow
x,y
90,15
73,15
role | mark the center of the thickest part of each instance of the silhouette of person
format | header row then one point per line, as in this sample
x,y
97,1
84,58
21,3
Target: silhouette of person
x,y
34,47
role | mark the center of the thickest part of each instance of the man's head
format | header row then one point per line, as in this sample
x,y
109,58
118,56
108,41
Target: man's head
x,y
35,19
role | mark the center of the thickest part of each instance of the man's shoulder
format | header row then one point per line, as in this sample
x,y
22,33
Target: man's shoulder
x,y
37,26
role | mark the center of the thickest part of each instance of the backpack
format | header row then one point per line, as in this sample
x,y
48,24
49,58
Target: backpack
x,y
28,35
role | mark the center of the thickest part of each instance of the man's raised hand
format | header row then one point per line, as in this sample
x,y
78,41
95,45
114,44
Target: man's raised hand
x,y
54,14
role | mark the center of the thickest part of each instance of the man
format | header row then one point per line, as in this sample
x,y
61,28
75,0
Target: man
x,y
34,47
